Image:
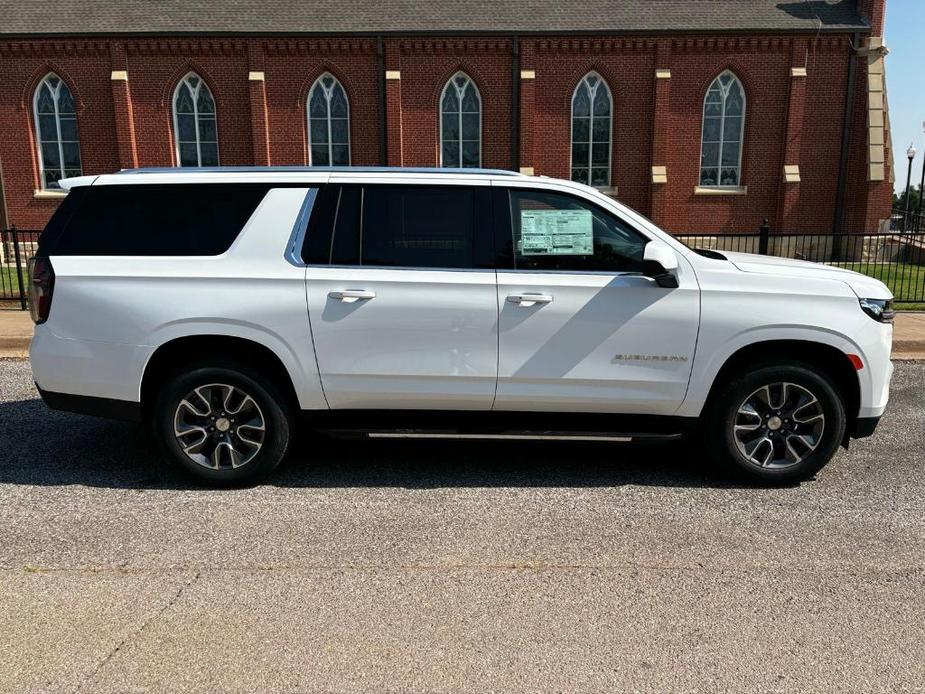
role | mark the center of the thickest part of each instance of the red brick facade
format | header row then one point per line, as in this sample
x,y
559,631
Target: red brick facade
x,y
260,86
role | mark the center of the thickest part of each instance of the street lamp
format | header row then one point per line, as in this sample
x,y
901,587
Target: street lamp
x,y
910,153
919,220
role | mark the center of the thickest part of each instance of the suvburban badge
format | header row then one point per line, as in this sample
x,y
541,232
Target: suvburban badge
x,y
649,357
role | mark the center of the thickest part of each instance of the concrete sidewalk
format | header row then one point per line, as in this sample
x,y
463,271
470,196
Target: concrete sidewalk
x,y
909,336
16,331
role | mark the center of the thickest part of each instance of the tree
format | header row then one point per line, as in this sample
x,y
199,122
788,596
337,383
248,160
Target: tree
x,y
899,201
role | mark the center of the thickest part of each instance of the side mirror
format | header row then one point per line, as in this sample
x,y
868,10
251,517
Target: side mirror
x,y
661,264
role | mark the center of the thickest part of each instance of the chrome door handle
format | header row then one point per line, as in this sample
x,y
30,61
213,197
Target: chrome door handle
x,y
528,300
348,296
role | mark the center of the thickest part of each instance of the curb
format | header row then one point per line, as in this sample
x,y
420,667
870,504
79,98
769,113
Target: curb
x,y
14,347
15,343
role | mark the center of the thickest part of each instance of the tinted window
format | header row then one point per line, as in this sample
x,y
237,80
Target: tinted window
x,y
168,219
425,226
345,248
59,220
316,249
559,232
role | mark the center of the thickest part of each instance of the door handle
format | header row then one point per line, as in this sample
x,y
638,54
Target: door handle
x,y
348,296
528,300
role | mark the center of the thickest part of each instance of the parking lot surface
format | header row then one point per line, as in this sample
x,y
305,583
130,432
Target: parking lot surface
x,y
449,567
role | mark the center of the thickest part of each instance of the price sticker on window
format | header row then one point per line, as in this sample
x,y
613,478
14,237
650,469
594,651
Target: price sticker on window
x,y
556,232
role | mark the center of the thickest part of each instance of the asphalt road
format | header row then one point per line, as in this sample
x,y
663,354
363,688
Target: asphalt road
x,y
452,567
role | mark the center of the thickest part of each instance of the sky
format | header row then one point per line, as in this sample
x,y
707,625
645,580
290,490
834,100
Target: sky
x,y
905,83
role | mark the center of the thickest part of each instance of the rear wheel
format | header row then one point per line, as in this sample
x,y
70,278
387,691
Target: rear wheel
x,y
222,425
777,423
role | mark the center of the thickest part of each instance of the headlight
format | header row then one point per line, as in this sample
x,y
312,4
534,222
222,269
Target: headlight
x,y
878,309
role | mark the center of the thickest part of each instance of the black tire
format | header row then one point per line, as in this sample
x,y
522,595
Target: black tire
x,y
266,405
799,447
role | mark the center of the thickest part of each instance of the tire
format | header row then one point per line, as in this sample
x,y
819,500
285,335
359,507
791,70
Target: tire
x,y
746,436
219,409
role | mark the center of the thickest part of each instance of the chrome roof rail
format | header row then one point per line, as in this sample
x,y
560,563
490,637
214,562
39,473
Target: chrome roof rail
x,y
320,169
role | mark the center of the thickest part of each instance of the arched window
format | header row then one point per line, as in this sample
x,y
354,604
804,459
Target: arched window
x,y
194,123
460,123
56,131
592,111
721,137
328,123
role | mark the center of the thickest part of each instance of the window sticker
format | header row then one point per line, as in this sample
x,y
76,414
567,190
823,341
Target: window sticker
x,y
556,232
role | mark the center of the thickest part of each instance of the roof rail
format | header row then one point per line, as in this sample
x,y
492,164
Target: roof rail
x,y
320,169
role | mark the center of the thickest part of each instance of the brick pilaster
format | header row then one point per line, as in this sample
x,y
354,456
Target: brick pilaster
x,y
527,107
257,94
393,112
787,218
875,12
122,108
661,111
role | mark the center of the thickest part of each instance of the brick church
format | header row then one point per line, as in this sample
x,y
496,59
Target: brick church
x,y
706,115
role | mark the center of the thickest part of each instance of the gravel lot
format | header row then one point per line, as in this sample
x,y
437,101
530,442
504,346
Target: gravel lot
x,y
454,567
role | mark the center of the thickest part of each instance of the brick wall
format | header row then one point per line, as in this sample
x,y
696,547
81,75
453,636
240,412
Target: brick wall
x,y
426,66
261,85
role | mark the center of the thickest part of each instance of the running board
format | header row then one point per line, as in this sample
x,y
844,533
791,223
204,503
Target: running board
x,y
527,436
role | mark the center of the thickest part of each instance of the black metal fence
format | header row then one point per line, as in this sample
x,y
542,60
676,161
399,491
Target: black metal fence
x,y
16,247
896,258
912,222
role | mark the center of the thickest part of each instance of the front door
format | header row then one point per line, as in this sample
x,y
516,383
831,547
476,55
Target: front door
x,y
404,315
582,330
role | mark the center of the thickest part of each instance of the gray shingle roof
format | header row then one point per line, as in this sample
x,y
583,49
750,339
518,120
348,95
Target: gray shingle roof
x,y
75,17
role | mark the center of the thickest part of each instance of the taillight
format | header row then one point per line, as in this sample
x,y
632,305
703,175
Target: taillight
x,y
41,287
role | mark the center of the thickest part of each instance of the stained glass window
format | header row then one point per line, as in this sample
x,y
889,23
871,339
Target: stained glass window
x,y
460,123
722,134
592,113
194,123
328,123
56,131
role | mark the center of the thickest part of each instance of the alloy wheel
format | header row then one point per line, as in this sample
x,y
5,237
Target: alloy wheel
x,y
779,425
219,426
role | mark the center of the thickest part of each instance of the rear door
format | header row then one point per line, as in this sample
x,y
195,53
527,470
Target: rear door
x,y
402,295
582,329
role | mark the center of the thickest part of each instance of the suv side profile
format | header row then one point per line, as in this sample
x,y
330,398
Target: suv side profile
x,y
229,306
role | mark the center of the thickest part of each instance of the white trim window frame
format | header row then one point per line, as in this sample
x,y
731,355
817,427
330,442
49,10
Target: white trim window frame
x,y
460,84
203,138
586,168
722,127
56,131
329,86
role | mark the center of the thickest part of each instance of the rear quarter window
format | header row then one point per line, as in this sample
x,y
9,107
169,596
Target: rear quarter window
x,y
168,219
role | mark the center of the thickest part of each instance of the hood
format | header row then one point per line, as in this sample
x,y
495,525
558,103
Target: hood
x,y
862,285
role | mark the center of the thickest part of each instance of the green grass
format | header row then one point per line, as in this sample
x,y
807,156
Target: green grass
x,y
8,284
905,281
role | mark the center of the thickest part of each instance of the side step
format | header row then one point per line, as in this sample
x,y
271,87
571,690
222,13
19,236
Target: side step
x,y
500,426
608,437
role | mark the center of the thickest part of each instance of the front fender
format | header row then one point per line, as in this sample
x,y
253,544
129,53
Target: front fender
x,y
707,364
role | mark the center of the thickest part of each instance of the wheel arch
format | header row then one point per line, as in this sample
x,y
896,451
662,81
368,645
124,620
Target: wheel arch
x,y
172,355
828,359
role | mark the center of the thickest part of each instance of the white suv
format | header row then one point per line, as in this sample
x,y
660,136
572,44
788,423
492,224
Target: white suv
x,y
220,305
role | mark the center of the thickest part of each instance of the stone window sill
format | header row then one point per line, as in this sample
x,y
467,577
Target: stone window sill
x,y
49,194
720,190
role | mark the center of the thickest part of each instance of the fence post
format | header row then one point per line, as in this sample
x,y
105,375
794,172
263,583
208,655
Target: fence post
x,y
764,233
17,255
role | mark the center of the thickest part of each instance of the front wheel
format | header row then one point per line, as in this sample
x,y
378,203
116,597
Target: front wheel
x,y
777,423
222,425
